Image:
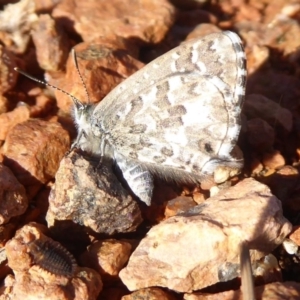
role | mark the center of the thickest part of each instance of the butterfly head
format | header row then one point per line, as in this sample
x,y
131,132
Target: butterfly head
x,y
82,114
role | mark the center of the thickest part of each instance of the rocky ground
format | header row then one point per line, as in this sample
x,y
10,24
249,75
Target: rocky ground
x,y
71,229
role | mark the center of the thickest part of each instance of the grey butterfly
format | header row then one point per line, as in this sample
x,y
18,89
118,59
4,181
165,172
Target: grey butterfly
x,y
176,118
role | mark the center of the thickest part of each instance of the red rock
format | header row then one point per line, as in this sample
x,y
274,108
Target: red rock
x,y
3,104
10,119
256,58
199,197
272,291
295,235
4,269
7,231
189,4
258,106
245,212
260,135
13,199
178,205
117,18
256,166
42,107
51,43
150,294
102,68
32,281
113,293
107,257
8,77
273,84
202,30
273,160
195,17
33,150
283,183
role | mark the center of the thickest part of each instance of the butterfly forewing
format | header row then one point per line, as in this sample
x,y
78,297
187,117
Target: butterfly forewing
x,y
179,108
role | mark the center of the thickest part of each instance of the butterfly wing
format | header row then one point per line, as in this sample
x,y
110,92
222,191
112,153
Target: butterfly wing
x,y
181,112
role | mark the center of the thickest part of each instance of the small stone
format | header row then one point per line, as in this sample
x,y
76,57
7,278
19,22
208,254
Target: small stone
x,y
202,30
189,4
13,199
256,166
290,246
51,43
91,198
10,119
33,150
259,106
7,231
102,65
192,18
4,104
117,18
295,235
283,183
260,135
112,292
256,57
42,107
273,160
267,270
199,197
8,77
150,294
107,257
178,205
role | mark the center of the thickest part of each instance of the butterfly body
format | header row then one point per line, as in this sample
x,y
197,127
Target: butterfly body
x,y
178,117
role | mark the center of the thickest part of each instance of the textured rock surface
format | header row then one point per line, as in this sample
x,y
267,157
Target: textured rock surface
x,y
103,64
8,77
51,43
13,199
15,24
32,281
201,246
93,198
272,291
158,17
107,257
266,109
260,135
10,119
150,294
33,150
112,40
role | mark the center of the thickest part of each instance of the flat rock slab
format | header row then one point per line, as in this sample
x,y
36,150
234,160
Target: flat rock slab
x,y
200,247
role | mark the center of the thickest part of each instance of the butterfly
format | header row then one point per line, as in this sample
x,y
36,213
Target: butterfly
x,y
177,118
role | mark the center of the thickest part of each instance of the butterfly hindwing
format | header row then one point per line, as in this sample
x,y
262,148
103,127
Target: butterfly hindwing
x,y
180,114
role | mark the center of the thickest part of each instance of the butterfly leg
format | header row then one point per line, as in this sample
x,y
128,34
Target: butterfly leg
x,y
138,178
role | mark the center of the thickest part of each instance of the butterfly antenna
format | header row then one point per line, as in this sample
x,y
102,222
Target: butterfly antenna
x,y
75,100
80,76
